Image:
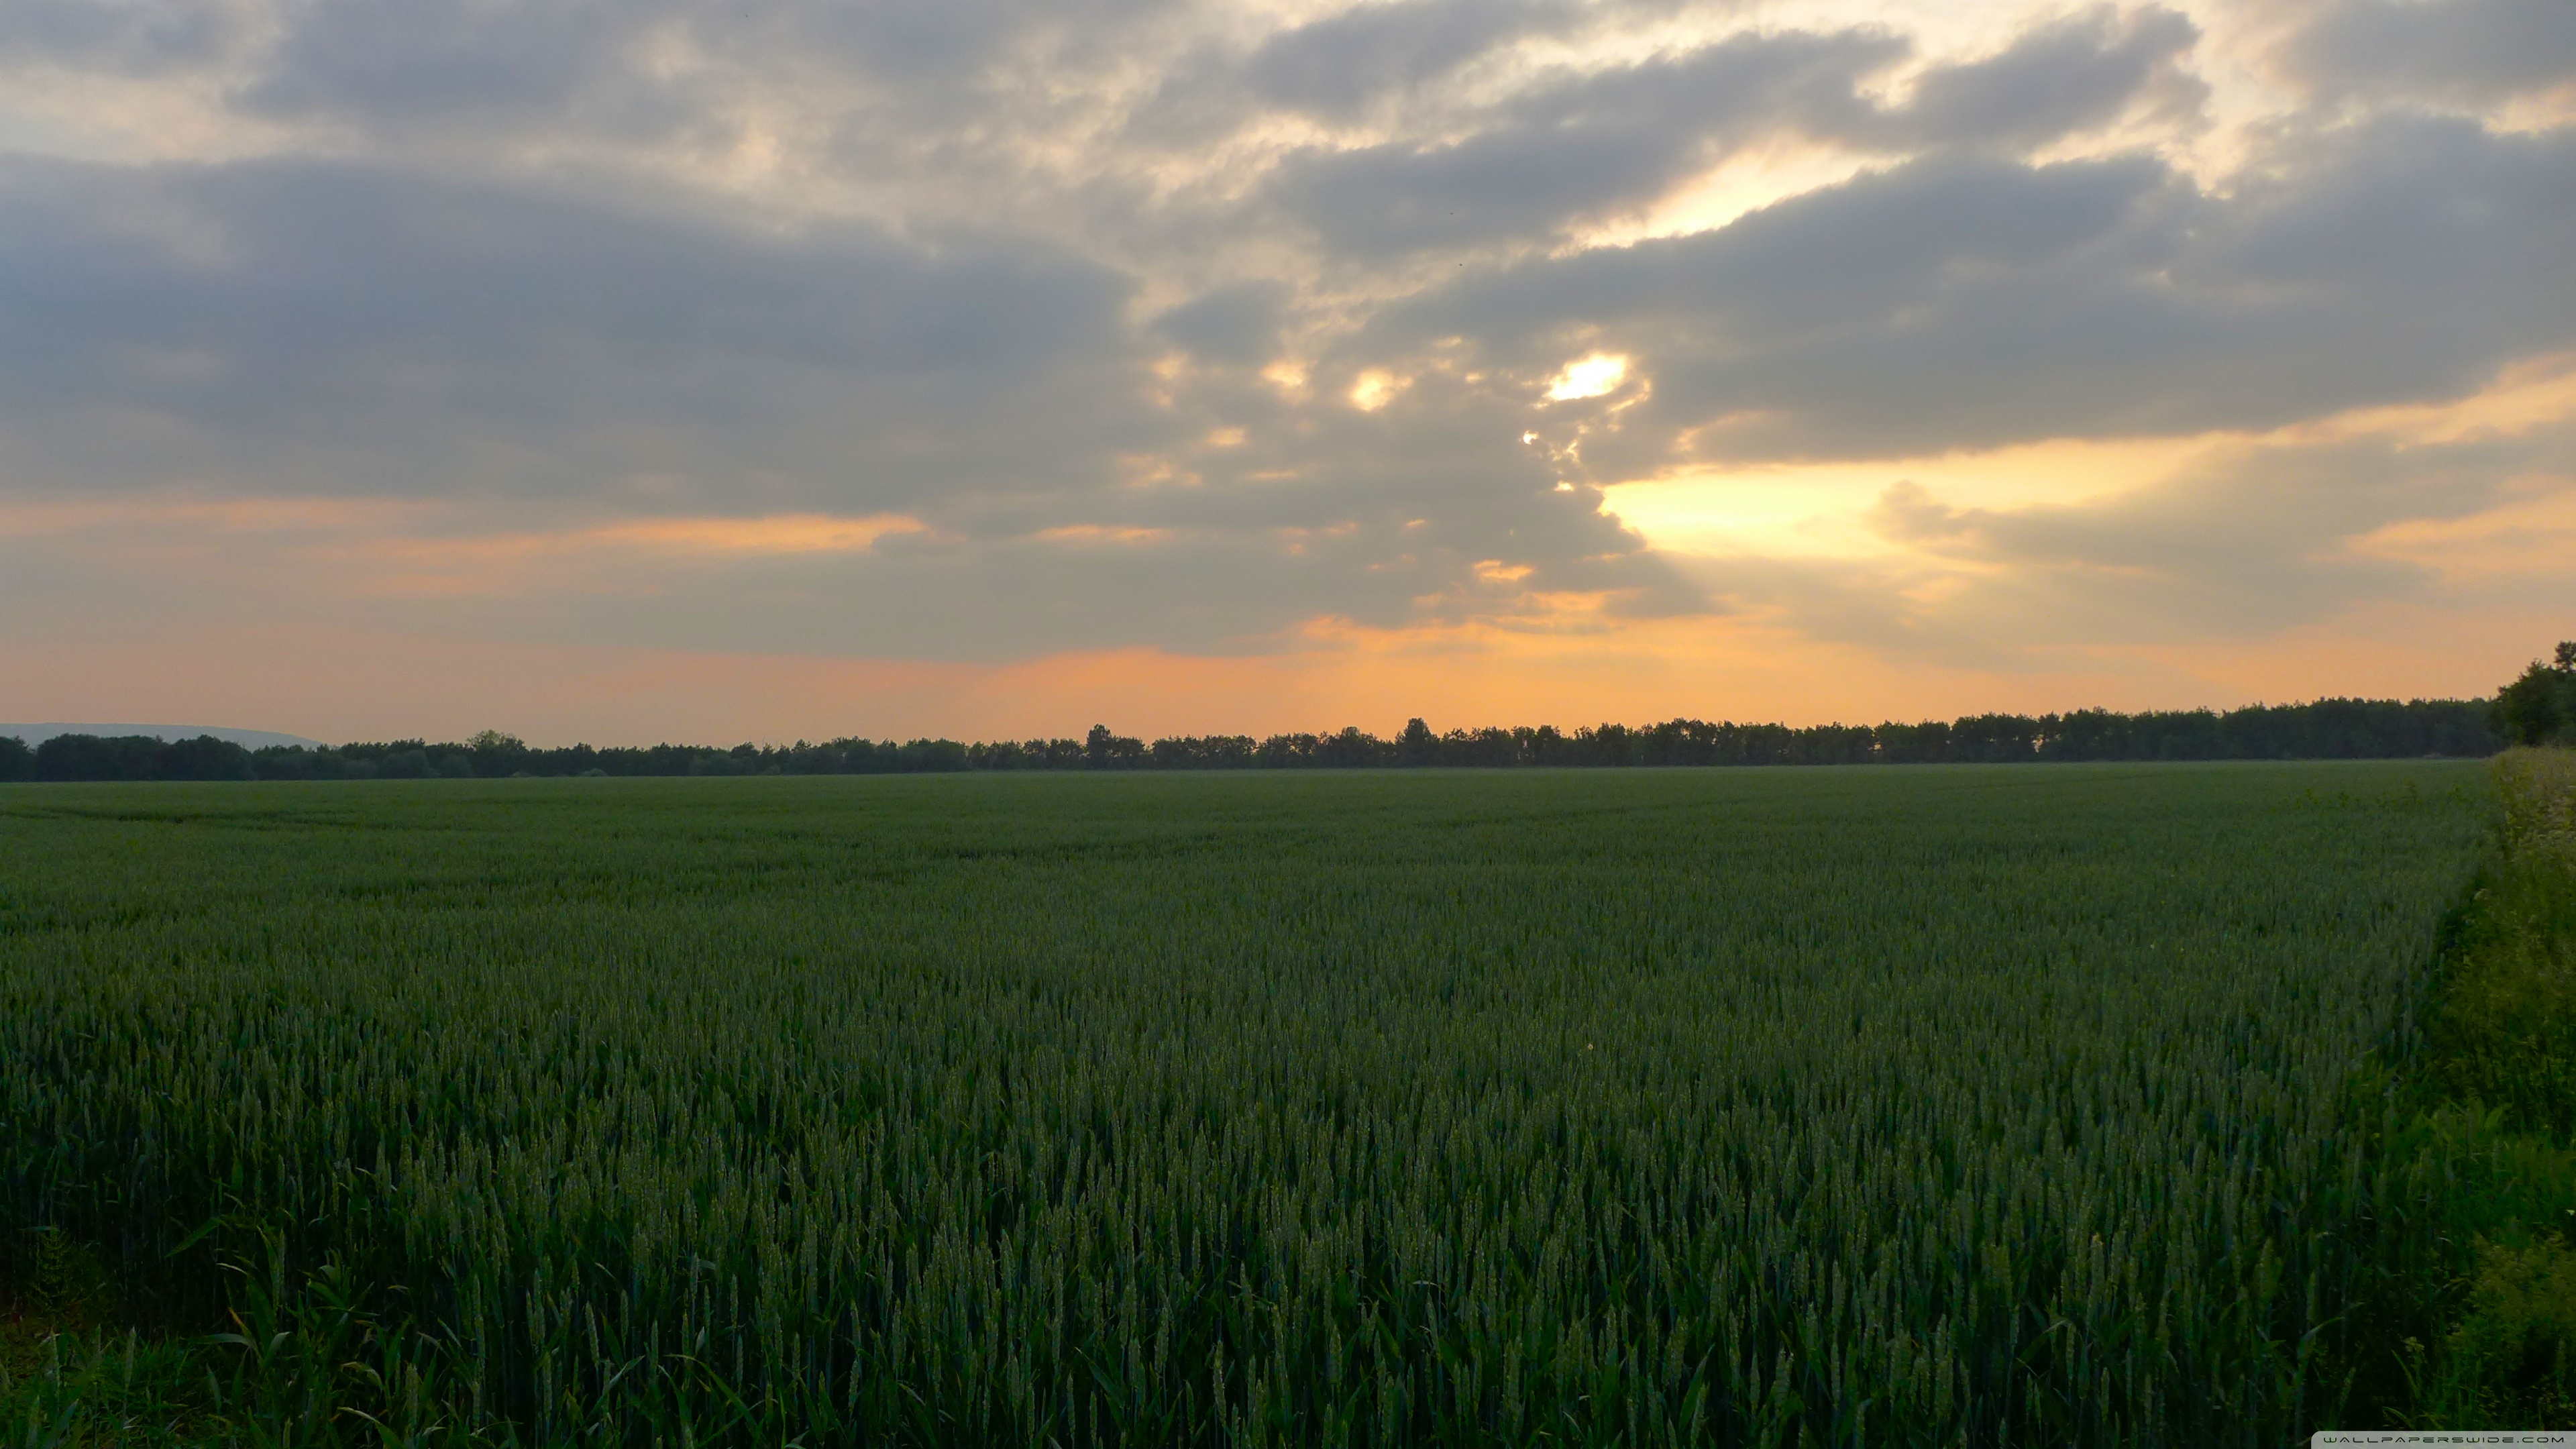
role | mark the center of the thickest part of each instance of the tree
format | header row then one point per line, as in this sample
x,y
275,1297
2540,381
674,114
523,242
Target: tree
x,y
17,762
1103,750
1417,745
2540,707
496,752
412,764
203,758
93,757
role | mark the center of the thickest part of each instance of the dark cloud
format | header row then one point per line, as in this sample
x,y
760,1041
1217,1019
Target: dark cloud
x,y
129,37
2062,78
1599,142
334,328
1956,303
2468,51
600,67
1336,65
410,62
1237,324
303,327
1586,144
938,51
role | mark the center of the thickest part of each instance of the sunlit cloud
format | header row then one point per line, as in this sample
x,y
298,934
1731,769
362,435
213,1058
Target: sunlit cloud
x,y
395,547
1796,510
1374,389
1745,182
1096,533
1827,508
1591,376
2529,539
2529,393
783,534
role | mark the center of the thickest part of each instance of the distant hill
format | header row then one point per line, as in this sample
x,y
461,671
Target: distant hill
x,y
37,734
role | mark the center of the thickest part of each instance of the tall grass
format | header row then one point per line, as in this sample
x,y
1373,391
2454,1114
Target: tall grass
x,y
2492,1177
1887,1107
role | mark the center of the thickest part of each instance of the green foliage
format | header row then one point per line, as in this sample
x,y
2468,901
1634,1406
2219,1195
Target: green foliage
x,y
1872,1106
138,757
2506,1035
68,1374
62,1281
2520,1330
2539,708
61,1389
2490,1178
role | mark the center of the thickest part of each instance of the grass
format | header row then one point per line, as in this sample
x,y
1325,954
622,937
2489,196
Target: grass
x,y
2492,1293
1889,1105
72,1372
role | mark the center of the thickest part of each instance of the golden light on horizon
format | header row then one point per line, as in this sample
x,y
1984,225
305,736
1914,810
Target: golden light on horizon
x,y
1812,509
777,533
1830,509
1101,533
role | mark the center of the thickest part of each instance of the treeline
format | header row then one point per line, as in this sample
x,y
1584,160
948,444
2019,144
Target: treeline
x,y
2330,729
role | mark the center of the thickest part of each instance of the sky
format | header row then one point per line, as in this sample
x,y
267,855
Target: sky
x,y
628,370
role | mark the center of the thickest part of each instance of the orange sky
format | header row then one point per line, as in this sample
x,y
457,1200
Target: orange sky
x,y
346,684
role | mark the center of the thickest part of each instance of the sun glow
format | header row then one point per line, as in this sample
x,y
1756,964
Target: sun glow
x,y
1374,390
1592,376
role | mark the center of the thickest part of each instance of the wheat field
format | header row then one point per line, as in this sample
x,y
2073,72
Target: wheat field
x,y
1876,1106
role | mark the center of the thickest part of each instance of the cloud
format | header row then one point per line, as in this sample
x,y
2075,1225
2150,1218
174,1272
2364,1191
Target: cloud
x,y
1582,145
1966,303
120,37
624,67
339,331
1588,143
2248,538
2253,541
1197,326
1237,324
339,328
2473,52
1338,64
2070,76
447,63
